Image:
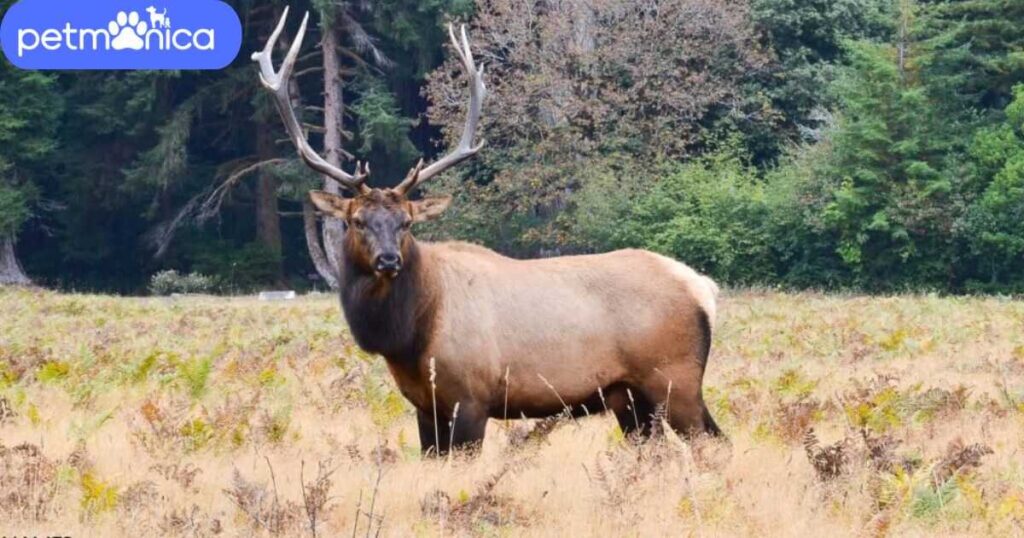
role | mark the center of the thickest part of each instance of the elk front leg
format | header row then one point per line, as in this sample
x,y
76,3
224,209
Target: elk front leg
x,y
469,428
434,436
466,433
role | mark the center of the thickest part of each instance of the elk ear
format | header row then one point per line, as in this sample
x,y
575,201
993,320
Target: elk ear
x,y
429,208
331,204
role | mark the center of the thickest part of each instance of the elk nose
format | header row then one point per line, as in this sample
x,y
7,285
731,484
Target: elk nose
x,y
389,262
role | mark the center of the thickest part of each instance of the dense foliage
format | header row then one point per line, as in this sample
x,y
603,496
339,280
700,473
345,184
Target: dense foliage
x,y
873,144
882,154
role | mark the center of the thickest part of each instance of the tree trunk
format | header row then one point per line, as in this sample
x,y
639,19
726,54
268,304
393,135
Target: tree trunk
x,y
334,110
10,269
316,252
268,220
327,271
313,243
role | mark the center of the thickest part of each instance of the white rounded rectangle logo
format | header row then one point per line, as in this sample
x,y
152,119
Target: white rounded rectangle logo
x,y
121,34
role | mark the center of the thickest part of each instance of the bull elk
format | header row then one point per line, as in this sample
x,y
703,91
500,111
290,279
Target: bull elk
x,y
469,334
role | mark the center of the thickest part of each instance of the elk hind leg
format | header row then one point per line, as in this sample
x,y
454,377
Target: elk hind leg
x,y
678,386
678,392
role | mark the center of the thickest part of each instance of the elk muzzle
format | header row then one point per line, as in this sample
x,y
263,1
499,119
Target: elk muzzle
x,y
388,263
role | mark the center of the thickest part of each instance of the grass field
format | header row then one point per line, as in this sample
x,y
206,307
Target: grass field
x,y
211,416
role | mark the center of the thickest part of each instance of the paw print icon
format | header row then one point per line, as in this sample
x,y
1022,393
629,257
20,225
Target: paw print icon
x,y
127,30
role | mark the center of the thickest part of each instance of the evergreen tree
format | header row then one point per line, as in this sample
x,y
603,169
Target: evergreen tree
x,y
977,52
891,210
808,38
994,224
30,109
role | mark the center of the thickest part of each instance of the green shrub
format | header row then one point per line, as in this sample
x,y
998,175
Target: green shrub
x,y
239,270
606,198
168,282
709,213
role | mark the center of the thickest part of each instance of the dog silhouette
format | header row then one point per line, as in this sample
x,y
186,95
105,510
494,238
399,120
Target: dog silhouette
x,y
158,20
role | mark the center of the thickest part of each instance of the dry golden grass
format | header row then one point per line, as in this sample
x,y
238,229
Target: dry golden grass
x,y
210,416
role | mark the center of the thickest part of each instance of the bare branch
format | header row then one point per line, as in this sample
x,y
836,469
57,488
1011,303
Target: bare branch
x,y
202,207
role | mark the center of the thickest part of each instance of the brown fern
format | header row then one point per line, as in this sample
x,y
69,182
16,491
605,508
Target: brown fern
x,y
829,462
6,410
959,459
27,485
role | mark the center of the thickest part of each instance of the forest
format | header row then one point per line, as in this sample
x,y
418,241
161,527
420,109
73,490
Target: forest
x,y
868,145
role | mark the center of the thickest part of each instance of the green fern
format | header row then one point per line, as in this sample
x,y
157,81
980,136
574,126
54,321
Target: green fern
x,y
97,496
196,374
929,501
53,371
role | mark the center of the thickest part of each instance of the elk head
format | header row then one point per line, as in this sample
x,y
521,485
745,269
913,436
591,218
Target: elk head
x,y
377,221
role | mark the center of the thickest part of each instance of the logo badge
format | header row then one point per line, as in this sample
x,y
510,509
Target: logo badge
x,y
121,34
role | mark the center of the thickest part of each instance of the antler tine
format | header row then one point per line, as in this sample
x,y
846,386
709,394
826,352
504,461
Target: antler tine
x,y
465,149
478,76
467,55
460,47
362,170
268,77
277,82
293,53
413,174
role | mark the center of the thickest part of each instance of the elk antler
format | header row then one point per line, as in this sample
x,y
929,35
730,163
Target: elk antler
x,y
465,149
277,83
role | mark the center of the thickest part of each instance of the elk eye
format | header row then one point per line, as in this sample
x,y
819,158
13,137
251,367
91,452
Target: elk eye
x,y
360,225
406,225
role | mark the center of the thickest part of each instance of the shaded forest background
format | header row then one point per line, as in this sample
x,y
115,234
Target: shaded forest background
x,y
875,145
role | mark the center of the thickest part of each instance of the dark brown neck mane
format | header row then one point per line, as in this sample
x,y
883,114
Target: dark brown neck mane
x,y
391,317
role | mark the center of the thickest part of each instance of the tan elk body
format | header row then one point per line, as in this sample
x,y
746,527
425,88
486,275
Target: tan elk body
x,y
469,334
578,323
